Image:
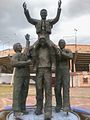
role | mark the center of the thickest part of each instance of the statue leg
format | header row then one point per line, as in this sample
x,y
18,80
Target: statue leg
x,y
17,96
58,88
17,88
39,91
24,93
66,86
48,94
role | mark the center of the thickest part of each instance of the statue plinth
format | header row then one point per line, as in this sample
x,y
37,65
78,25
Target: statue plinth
x,y
55,116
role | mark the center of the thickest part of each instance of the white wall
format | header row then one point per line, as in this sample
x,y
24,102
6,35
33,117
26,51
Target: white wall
x,y
5,78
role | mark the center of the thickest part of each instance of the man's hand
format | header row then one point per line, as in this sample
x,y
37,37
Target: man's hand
x,y
27,37
59,3
28,61
25,6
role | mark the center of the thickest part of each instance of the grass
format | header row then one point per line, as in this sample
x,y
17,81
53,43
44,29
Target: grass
x,y
5,90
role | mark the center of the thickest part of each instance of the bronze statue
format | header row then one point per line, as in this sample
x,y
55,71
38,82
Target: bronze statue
x,y
63,57
21,78
43,62
43,26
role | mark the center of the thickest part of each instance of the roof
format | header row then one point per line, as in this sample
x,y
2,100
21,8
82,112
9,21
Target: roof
x,y
79,48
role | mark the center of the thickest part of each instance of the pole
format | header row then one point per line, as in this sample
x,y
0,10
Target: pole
x,y
75,49
75,39
75,52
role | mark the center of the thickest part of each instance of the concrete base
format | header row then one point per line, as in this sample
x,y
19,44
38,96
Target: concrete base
x,y
55,116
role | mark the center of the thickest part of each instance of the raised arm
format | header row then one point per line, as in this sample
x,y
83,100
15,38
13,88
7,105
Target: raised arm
x,y
56,19
26,50
26,12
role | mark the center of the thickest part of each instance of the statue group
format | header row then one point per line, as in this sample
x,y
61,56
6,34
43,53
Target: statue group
x,y
42,54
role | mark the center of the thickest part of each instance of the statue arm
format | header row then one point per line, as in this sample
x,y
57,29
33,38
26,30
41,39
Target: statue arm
x,y
16,63
30,20
67,54
26,50
56,19
26,12
57,50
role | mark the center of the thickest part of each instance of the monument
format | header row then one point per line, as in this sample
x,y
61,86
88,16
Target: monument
x,y
42,59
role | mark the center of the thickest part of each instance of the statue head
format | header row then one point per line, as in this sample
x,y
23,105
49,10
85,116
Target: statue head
x,y
42,41
17,47
62,43
43,14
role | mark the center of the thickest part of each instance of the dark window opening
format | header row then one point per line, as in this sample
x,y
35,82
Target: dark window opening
x,y
85,80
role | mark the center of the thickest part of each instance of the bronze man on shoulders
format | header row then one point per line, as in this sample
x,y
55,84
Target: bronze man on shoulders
x,y
43,26
43,62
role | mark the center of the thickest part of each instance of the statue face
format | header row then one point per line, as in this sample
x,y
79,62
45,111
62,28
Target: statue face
x,y
42,42
62,44
43,14
17,47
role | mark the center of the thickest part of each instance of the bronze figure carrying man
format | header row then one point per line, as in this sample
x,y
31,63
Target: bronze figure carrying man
x,y
62,77
21,63
43,63
43,26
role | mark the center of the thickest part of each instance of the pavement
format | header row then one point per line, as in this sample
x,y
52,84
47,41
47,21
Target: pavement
x,y
79,97
55,116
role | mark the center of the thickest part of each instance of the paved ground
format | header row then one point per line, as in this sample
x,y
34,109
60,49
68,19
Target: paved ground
x,y
78,97
55,116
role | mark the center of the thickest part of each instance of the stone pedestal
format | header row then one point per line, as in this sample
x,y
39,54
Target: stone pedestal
x,y
55,116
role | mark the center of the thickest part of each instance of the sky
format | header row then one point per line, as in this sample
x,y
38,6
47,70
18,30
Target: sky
x,y
75,14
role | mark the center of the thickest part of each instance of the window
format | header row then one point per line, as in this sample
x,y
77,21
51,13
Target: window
x,y
85,79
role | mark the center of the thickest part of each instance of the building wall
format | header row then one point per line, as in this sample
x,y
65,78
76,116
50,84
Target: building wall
x,y
80,48
80,79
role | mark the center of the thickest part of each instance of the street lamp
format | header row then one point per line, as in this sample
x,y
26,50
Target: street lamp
x,y
75,57
75,39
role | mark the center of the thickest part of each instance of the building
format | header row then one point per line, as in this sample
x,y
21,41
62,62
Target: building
x,y
79,66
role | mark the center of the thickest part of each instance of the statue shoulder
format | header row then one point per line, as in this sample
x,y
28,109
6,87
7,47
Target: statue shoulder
x,y
15,56
68,50
38,21
49,20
